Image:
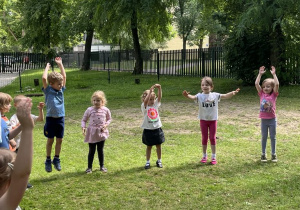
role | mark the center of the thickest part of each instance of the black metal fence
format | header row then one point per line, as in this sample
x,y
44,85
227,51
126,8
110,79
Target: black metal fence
x,y
196,62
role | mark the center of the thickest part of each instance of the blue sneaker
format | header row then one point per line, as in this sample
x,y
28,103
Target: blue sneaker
x,y
48,166
56,163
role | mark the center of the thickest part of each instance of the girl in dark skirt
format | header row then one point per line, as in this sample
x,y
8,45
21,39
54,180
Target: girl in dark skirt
x,y
152,134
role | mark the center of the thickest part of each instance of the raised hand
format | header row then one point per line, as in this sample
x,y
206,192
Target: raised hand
x,y
262,70
23,113
273,70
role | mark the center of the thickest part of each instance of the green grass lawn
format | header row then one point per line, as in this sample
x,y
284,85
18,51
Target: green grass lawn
x,y
238,181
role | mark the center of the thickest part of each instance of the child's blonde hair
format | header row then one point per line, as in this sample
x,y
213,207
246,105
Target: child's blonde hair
x,y
145,93
209,81
18,98
268,80
99,94
54,77
5,100
7,159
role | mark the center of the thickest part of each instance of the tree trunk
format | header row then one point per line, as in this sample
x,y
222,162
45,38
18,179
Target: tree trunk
x,y
138,69
277,54
86,65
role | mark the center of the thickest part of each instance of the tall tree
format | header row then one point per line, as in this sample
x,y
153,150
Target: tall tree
x,y
142,20
186,14
78,20
42,24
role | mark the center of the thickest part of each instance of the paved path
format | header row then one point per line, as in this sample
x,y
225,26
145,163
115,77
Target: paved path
x,y
6,79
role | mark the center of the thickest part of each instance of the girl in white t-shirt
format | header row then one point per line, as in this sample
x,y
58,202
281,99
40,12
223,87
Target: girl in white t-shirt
x,y
208,114
152,133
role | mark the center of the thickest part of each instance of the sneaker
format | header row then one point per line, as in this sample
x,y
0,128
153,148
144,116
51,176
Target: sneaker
x,y
147,166
88,171
263,158
204,160
103,169
159,164
29,186
214,161
56,163
274,158
48,166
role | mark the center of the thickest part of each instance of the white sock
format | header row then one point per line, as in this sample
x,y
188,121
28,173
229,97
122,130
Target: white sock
x,y
204,155
158,160
148,161
213,156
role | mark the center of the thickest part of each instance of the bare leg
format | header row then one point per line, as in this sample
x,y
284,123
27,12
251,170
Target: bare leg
x,y
49,146
204,148
158,151
213,149
58,146
148,152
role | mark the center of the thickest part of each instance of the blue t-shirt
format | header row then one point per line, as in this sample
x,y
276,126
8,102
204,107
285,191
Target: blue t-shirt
x,y
4,135
54,100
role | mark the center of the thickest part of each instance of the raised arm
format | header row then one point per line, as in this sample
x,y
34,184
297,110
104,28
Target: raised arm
x,y
257,81
58,61
159,94
187,95
276,86
23,163
41,111
45,75
230,94
146,100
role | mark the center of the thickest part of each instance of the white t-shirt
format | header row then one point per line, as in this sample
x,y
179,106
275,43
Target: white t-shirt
x,y
208,105
151,116
14,122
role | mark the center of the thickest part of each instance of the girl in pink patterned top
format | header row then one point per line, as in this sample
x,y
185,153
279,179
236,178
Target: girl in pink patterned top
x,y
268,93
96,133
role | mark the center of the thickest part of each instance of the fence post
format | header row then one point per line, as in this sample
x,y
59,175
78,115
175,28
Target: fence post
x,y
119,60
203,62
108,72
157,65
20,80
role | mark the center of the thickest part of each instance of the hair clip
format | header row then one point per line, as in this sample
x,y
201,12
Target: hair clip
x,y
11,166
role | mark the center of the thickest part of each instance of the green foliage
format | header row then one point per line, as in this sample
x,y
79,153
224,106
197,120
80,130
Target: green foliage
x,y
41,22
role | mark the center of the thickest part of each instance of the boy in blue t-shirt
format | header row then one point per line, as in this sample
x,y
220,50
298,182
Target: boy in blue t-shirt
x,y
55,117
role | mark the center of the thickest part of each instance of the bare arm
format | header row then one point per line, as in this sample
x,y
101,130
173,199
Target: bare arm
x,y
58,61
158,86
23,163
261,72
45,75
273,72
41,112
187,95
230,94
146,100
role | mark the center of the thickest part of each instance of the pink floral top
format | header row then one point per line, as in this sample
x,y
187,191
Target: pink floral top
x,y
97,119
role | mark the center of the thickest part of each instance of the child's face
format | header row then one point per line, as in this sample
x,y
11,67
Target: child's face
x,y
97,102
151,100
57,85
205,87
6,109
267,88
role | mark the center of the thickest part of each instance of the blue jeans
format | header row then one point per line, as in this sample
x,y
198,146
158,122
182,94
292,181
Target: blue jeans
x,y
268,125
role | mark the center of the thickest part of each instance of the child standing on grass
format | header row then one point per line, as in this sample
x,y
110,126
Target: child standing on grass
x,y
55,117
208,114
96,133
15,121
268,93
152,133
5,105
15,169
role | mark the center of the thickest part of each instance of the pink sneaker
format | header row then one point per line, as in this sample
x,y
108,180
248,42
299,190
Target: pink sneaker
x,y
213,161
204,160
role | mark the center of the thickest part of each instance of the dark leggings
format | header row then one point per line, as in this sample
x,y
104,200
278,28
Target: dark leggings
x,y
92,146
